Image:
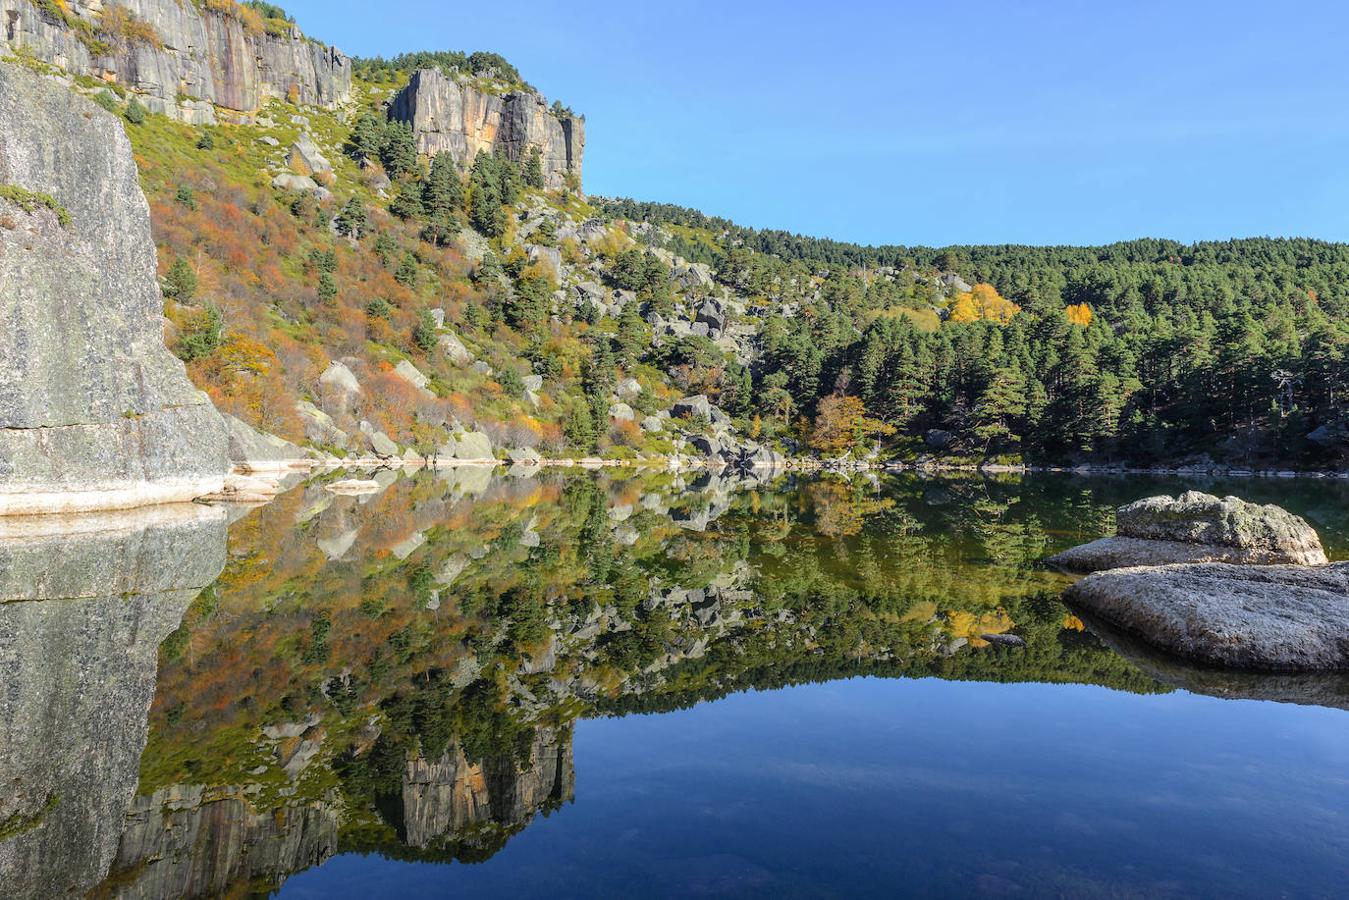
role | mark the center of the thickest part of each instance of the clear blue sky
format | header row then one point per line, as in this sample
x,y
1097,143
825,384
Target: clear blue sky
x,y
931,123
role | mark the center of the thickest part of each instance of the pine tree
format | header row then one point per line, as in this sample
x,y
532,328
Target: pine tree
x,y
181,282
407,205
354,220
398,151
442,195
998,411
533,168
367,138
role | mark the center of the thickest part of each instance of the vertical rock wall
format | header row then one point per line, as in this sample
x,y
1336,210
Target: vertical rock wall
x,y
82,615
199,61
95,413
454,116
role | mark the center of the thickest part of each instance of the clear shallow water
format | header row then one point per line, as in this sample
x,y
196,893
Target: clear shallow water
x,y
474,685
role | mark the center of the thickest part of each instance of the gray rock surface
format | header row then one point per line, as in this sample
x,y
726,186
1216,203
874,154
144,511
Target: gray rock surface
x,y
251,450
78,658
473,446
1198,528
160,855
692,406
94,411
453,116
207,60
1270,618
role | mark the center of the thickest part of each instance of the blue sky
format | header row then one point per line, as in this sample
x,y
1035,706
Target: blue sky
x,y
931,123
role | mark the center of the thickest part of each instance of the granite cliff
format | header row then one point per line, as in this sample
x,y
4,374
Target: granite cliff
x,y
94,411
181,58
84,606
462,117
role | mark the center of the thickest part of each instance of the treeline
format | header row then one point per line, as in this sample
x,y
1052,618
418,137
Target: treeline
x,y
452,62
1143,351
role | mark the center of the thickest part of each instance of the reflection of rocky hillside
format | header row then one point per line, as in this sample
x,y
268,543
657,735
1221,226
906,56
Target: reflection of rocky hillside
x,y
82,616
399,672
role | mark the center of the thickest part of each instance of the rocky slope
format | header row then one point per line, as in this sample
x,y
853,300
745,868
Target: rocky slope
x,y
463,118
182,60
94,411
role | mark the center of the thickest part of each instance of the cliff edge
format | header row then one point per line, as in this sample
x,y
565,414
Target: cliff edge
x,y
94,411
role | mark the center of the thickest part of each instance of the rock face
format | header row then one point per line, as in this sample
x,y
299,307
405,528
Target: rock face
x,y
159,854
201,61
445,798
82,615
1197,528
453,116
94,411
251,450
1269,618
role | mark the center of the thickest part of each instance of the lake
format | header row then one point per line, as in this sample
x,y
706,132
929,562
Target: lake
x,y
637,684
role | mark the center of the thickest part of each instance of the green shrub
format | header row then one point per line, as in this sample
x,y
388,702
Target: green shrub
x,y
135,112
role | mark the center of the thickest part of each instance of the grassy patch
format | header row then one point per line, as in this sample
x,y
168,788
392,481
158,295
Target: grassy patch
x,y
19,823
32,201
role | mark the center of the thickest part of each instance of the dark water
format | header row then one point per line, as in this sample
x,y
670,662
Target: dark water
x,y
584,686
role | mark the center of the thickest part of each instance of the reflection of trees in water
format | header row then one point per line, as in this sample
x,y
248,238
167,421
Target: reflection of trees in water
x,y
407,667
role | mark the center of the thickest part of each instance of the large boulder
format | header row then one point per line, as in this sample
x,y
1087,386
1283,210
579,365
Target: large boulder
x,y
691,407
251,450
1197,528
307,158
411,374
94,412
1271,618
454,349
473,446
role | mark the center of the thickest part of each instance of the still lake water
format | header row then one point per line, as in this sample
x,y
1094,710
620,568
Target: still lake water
x,y
472,684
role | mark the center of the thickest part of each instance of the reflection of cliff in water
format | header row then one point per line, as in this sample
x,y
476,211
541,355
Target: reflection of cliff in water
x,y
400,672
82,615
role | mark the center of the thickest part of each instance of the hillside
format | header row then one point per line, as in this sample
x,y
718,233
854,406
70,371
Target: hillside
x,y
330,280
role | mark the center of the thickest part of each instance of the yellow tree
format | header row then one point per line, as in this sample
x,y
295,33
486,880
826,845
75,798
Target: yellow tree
x,y
841,424
983,303
1079,314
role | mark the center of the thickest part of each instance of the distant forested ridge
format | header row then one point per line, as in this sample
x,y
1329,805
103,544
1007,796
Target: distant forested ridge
x,y
1143,351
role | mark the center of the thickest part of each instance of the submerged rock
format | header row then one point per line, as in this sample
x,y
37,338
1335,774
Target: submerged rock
x,y
94,411
1270,618
1198,528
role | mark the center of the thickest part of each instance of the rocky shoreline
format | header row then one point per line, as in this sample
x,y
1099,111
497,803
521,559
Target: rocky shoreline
x,y
1218,582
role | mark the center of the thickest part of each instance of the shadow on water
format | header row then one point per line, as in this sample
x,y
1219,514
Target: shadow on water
x,y
187,713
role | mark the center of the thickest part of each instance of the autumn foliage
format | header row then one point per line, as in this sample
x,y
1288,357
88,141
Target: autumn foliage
x,y
983,304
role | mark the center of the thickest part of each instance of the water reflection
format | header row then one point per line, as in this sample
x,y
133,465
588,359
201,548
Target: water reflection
x,y
82,616
400,673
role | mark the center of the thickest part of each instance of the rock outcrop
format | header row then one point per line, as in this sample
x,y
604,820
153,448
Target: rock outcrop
x,y
94,411
1198,528
84,606
160,854
454,116
445,798
182,60
251,450
1268,618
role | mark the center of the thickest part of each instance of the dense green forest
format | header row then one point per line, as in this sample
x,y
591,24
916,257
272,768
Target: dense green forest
x,y
1143,351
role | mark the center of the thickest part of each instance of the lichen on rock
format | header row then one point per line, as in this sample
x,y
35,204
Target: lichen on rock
x,y
95,413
